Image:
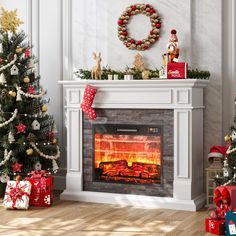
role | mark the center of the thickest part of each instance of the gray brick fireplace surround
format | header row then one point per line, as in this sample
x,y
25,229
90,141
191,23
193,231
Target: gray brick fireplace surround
x,y
165,118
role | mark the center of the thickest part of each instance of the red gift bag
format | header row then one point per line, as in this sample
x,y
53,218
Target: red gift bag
x,y
177,70
215,226
42,186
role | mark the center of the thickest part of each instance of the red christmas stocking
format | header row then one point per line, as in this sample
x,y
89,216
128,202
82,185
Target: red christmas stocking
x,y
89,94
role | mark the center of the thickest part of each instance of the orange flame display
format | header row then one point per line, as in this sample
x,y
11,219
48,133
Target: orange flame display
x,y
132,148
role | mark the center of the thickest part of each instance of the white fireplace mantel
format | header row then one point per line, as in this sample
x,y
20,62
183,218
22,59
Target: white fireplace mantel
x,y
184,96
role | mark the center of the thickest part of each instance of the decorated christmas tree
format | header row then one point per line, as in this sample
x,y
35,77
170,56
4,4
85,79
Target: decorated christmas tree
x,y
27,133
228,175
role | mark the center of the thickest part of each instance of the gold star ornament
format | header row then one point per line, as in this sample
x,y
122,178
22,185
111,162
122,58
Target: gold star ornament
x,y
9,21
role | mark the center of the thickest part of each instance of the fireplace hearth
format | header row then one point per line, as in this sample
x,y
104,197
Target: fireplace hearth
x,y
127,153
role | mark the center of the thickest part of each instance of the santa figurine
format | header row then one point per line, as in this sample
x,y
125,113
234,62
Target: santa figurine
x,y
172,46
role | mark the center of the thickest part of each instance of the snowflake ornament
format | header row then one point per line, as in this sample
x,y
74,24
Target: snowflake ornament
x,y
47,200
9,21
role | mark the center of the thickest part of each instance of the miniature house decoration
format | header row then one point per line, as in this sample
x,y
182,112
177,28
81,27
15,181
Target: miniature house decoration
x,y
35,125
14,70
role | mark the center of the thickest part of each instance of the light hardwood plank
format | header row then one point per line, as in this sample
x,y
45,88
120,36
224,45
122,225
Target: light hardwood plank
x,y
90,219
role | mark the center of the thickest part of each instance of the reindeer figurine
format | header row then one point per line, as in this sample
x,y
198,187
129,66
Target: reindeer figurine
x,y
96,72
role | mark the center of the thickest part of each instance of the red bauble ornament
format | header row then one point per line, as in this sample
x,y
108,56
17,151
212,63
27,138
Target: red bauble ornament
x,y
16,167
31,90
120,22
50,136
139,42
158,25
21,128
27,53
132,41
125,33
152,11
173,31
133,8
1,60
151,32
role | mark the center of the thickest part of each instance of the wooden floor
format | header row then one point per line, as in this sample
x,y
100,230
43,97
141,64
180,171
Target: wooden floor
x,y
90,219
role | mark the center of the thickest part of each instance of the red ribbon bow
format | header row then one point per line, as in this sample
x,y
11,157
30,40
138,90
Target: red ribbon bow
x,y
222,202
40,176
16,193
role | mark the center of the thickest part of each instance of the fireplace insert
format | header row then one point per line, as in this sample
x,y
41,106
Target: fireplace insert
x,y
127,153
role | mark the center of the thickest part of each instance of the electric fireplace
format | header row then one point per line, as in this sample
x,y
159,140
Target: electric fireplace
x,y
127,153
176,105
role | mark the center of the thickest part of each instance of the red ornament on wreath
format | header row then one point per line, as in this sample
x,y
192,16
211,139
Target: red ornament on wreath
x,y
152,37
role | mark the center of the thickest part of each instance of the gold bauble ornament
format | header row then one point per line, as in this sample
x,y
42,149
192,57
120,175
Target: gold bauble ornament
x,y
26,79
44,108
54,141
29,151
19,50
12,93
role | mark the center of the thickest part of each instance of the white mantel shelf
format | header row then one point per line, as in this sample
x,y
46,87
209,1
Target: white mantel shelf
x,y
184,96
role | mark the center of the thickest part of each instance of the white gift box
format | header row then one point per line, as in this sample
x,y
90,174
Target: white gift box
x,y
17,195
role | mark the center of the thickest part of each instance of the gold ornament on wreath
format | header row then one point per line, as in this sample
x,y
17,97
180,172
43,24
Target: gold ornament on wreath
x,y
123,20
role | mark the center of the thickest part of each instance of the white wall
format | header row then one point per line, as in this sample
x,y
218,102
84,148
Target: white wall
x,y
65,33
94,28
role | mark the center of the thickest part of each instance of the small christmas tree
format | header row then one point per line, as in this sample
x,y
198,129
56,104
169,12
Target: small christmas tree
x,y
27,132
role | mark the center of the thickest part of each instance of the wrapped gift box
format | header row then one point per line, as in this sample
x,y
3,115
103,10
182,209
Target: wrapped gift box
x,y
215,226
17,195
230,223
41,193
177,70
227,196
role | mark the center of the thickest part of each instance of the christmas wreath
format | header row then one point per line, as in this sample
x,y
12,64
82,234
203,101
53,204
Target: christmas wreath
x,y
123,20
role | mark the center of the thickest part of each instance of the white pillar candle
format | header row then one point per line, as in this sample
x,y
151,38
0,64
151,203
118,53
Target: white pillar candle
x,y
109,77
116,77
129,77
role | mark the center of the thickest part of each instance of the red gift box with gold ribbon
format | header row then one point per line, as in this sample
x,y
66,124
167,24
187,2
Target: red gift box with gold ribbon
x,y
42,186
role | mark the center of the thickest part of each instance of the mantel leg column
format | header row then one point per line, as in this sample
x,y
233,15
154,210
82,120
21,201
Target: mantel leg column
x,y
182,147
74,181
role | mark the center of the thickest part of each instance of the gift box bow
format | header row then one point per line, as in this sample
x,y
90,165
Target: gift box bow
x,y
40,177
222,201
16,192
